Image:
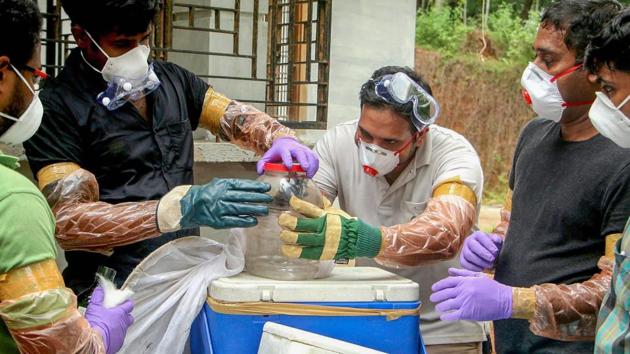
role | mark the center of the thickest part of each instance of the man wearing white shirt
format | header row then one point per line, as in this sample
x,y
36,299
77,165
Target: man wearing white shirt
x,y
412,187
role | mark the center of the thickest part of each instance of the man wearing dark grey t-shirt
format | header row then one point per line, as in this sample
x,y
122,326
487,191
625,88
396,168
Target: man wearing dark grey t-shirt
x,y
571,198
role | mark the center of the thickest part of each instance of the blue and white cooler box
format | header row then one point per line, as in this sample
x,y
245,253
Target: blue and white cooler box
x,y
366,306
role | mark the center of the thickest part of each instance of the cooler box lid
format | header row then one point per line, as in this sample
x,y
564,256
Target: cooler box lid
x,y
346,284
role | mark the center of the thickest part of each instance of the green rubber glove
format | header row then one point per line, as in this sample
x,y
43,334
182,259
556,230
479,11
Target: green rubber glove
x,y
326,234
225,203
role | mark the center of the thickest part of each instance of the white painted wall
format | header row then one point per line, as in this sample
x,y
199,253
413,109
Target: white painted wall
x,y
366,35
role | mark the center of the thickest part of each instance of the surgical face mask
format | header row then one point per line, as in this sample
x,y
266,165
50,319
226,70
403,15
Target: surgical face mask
x,y
27,124
377,161
542,93
610,121
130,76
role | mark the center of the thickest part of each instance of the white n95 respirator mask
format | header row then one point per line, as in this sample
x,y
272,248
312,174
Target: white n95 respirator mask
x,y
27,123
540,90
130,76
377,161
609,120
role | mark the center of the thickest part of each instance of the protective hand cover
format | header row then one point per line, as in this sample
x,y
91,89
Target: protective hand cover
x,y
434,235
250,128
112,323
325,234
49,322
85,223
569,312
506,212
480,251
286,149
225,203
468,295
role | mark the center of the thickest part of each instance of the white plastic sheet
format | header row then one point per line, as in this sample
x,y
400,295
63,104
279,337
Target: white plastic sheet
x,y
170,288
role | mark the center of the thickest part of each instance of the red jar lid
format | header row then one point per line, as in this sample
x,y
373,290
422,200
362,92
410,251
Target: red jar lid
x,y
280,167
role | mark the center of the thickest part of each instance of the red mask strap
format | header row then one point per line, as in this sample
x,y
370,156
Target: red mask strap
x,y
413,137
576,104
526,97
566,72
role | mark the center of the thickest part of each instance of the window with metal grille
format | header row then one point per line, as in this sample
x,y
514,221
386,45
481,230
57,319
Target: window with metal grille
x,y
273,54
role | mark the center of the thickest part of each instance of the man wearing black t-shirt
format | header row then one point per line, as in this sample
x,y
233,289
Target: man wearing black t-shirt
x,y
571,198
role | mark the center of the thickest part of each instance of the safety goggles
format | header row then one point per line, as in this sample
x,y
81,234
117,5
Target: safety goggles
x,y
400,88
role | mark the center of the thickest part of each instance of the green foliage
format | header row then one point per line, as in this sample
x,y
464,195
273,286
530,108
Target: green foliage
x,y
512,35
443,29
494,193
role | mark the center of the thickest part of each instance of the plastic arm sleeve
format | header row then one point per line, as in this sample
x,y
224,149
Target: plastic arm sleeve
x,y
41,314
506,211
240,124
85,223
436,234
564,312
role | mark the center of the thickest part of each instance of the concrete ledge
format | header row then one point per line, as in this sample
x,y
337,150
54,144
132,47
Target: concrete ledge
x,y
204,152
221,152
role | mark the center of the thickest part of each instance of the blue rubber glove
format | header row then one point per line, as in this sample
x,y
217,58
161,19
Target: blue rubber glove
x,y
225,203
480,251
286,149
111,323
473,296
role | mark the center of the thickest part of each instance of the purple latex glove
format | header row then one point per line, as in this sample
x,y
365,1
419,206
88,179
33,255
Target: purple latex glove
x,y
111,323
467,295
480,251
286,149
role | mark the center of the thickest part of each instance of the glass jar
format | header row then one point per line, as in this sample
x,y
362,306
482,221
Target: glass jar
x,y
263,256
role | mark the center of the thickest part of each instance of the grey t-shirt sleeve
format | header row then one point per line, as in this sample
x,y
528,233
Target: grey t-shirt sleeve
x,y
326,177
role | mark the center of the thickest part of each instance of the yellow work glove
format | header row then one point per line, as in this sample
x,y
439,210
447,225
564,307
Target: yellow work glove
x,y
327,233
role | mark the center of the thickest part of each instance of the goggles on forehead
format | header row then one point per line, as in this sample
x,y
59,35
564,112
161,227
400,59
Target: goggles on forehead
x,y
400,88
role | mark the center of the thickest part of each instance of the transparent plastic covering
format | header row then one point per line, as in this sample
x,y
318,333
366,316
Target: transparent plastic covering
x,y
85,223
250,128
121,90
436,234
49,322
264,256
505,213
504,223
569,312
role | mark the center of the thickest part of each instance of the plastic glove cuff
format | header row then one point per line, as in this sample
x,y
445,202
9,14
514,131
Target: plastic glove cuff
x,y
523,303
281,136
169,209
